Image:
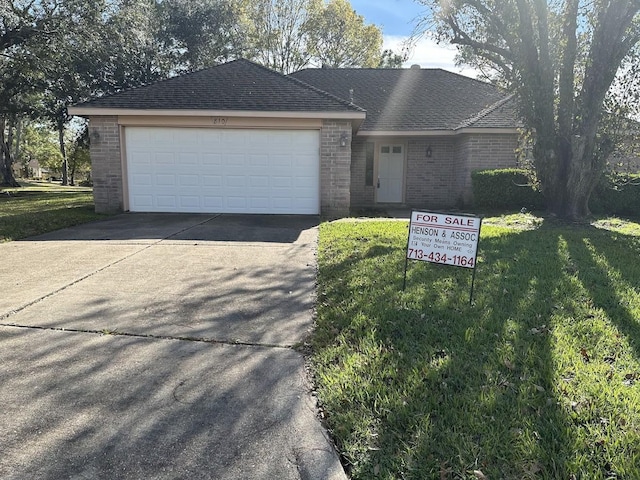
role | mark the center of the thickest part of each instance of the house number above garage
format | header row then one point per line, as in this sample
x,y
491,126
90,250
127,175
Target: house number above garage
x,y
221,121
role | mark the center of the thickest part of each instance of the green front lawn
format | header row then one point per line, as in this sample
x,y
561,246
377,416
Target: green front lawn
x,y
540,378
40,207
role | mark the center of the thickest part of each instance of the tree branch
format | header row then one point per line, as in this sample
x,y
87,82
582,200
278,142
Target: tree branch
x,y
460,37
566,82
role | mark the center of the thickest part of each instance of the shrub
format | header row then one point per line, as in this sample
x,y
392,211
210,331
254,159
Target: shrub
x,y
508,188
617,194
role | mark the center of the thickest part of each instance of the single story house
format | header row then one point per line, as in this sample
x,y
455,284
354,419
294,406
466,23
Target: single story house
x,y
240,138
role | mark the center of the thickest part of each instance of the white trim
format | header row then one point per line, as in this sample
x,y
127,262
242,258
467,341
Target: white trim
x,y
87,111
433,133
124,168
222,122
405,167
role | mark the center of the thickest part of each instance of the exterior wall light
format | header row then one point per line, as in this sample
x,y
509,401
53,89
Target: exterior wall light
x,y
343,139
429,151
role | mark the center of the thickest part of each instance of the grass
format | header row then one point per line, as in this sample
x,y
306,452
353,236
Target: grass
x,y
539,378
40,207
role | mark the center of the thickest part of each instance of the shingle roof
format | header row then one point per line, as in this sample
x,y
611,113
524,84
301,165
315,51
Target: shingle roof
x,y
497,115
238,85
416,99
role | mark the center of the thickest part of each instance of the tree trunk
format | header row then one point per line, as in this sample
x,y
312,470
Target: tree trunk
x,y
577,171
576,208
72,170
63,151
17,141
6,161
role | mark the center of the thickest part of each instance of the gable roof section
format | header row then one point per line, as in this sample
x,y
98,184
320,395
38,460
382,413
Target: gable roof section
x,y
403,100
497,115
239,85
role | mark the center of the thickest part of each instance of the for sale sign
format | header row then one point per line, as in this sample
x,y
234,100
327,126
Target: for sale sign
x,y
443,238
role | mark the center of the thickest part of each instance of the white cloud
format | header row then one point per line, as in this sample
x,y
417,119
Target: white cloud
x,y
428,54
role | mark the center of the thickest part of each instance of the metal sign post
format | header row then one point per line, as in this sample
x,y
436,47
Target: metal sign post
x,y
445,239
475,265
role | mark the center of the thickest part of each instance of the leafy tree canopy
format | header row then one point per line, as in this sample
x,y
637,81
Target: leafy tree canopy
x,y
287,35
339,37
54,53
568,61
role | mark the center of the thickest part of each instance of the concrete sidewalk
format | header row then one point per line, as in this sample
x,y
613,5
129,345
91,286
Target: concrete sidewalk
x,y
159,346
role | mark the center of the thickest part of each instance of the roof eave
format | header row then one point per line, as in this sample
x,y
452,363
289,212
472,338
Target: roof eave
x,y
436,133
89,111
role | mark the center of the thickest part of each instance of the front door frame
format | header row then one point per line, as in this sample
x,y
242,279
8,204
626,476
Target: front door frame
x,y
378,152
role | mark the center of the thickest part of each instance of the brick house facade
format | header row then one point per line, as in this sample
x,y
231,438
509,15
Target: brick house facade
x,y
445,125
441,180
385,137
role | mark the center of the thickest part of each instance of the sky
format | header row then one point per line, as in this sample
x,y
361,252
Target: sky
x,y
397,19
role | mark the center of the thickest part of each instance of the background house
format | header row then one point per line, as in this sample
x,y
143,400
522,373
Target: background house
x,y
240,138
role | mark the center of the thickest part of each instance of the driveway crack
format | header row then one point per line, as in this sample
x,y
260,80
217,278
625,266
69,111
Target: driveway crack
x,y
105,332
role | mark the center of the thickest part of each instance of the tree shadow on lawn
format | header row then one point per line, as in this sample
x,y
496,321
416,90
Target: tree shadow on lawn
x,y
435,388
612,276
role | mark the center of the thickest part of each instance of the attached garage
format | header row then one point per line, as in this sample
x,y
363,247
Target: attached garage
x,y
204,170
236,138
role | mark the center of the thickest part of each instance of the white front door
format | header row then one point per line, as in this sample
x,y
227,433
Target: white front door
x,y
390,174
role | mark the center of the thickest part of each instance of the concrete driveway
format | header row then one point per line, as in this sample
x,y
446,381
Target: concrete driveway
x,y
160,346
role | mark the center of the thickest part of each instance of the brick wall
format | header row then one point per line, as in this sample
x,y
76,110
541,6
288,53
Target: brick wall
x,y
431,181
106,166
478,152
335,168
361,194
442,180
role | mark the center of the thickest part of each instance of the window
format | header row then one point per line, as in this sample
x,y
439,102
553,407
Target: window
x,y
397,149
368,169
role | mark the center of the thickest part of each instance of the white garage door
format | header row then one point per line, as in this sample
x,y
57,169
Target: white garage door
x,y
223,171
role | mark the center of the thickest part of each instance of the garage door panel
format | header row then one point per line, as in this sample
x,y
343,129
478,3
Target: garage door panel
x,y
234,159
305,161
211,180
210,138
258,181
139,158
211,158
167,201
183,136
189,202
223,171
259,160
189,180
234,181
236,202
259,202
280,161
164,159
281,182
188,158
306,183
165,180
143,200
282,202
142,179
212,202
